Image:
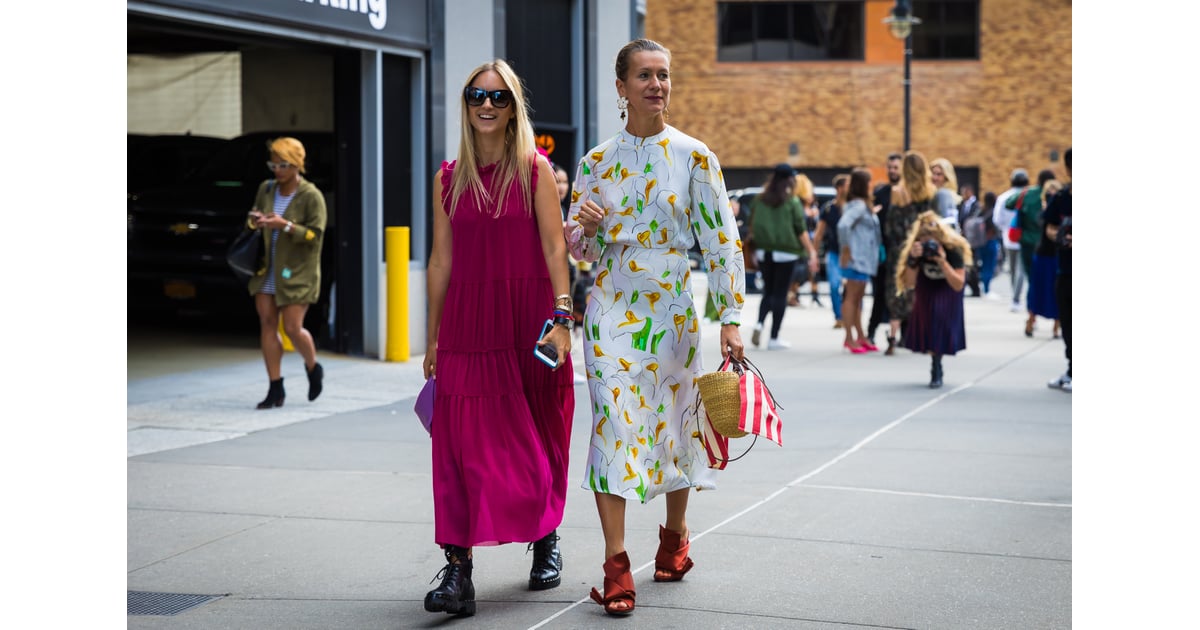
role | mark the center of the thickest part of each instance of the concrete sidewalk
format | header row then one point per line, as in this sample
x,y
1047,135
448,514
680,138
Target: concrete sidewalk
x,y
890,505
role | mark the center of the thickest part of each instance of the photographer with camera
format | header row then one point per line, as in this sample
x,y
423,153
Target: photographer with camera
x,y
935,257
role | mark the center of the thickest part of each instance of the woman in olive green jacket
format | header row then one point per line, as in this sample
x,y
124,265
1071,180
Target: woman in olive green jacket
x,y
291,212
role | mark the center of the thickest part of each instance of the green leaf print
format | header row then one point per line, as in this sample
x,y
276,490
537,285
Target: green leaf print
x,y
586,170
642,336
691,355
654,225
603,484
595,331
592,478
639,206
641,489
654,342
625,200
666,274
634,298
649,167
661,408
704,215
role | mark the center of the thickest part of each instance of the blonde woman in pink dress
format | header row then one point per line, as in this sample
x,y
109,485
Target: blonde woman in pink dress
x,y
639,202
501,418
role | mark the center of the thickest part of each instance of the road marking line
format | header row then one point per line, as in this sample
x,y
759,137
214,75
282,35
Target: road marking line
x,y
799,481
940,496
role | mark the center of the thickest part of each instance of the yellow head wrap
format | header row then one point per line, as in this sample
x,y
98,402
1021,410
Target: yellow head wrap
x,y
289,150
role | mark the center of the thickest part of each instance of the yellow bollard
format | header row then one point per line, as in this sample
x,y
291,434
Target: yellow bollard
x,y
396,250
287,342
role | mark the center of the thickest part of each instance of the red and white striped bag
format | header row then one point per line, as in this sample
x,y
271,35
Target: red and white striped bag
x,y
758,414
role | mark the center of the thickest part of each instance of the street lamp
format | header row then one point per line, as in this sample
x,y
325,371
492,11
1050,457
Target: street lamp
x,y
901,23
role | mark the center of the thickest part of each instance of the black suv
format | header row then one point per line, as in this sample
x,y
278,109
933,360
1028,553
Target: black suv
x,y
178,234
153,161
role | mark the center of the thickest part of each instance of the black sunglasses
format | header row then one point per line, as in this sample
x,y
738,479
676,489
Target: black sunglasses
x,y
475,97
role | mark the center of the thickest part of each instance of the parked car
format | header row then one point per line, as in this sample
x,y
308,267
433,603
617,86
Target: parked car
x,y
153,161
179,233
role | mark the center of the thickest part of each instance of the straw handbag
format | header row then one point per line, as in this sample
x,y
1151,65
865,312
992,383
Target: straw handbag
x,y
719,391
736,403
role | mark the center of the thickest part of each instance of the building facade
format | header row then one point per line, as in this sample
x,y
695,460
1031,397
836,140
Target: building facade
x,y
382,81
820,84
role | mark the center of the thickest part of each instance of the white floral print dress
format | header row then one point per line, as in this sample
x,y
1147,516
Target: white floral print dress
x,y
662,195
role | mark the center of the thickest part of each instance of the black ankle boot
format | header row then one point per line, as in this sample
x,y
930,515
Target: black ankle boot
x,y
314,380
547,563
274,395
456,594
935,373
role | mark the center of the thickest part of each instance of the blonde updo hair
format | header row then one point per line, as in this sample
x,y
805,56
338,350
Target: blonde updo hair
x,y
289,150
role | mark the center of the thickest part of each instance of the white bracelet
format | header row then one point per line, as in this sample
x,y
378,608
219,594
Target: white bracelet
x,y
288,228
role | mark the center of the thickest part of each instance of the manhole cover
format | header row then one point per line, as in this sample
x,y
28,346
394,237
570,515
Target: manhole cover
x,y
146,603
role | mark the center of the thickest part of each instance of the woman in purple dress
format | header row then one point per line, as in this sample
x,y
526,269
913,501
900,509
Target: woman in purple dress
x,y
502,417
936,258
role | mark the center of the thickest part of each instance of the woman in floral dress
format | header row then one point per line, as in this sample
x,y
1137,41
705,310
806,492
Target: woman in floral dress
x,y
640,201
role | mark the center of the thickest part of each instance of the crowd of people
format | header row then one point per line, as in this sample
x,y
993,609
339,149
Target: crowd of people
x,y
602,260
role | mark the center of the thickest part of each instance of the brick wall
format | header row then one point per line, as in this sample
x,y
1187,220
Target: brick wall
x,y
1011,108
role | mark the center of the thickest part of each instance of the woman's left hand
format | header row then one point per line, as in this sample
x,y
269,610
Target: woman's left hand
x,y
560,338
731,342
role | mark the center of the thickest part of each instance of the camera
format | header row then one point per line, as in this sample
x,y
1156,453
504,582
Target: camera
x,y
929,249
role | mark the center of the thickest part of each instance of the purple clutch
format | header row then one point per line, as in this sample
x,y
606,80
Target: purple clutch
x,y
424,406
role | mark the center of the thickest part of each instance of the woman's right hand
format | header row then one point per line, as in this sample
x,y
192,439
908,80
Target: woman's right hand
x,y
590,216
430,363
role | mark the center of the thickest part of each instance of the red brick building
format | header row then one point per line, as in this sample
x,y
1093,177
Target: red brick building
x,y
820,84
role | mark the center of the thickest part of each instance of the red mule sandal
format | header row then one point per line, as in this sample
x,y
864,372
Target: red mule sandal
x,y
672,561
619,594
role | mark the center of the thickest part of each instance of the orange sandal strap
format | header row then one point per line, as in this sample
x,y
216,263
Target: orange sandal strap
x,y
618,586
671,562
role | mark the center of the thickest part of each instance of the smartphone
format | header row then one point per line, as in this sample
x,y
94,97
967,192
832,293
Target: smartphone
x,y
546,354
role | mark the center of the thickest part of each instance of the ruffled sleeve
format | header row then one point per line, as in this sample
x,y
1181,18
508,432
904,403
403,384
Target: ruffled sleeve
x,y
447,171
717,235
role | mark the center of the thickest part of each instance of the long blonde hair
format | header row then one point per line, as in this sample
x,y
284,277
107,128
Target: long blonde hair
x,y
519,149
929,225
916,181
951,179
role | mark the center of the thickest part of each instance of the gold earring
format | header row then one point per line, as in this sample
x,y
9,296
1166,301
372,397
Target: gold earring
x,y
622,103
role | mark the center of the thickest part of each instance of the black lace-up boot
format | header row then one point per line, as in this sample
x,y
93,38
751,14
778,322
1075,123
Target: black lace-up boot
x,y
456,594
547,563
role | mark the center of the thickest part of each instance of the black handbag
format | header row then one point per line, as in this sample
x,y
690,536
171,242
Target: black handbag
x,y
245,254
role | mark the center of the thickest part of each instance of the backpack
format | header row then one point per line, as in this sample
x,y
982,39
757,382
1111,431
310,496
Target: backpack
x,y
975,228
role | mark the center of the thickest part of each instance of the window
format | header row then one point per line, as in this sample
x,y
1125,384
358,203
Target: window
x,y
790,31
949,29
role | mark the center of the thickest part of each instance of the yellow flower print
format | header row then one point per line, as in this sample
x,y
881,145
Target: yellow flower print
x,y
630,320
629,470
701,160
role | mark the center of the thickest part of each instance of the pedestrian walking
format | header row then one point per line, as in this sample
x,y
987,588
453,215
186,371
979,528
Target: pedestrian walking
x,y
640,201
1058,229
290,211
502,418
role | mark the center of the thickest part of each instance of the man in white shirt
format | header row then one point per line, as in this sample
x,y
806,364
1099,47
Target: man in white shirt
x,y
1002,217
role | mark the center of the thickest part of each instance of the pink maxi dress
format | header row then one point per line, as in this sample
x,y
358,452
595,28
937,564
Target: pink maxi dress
x,y
502,419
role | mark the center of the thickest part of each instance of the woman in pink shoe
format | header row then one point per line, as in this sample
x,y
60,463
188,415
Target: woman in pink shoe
x,y
859,239
640,201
